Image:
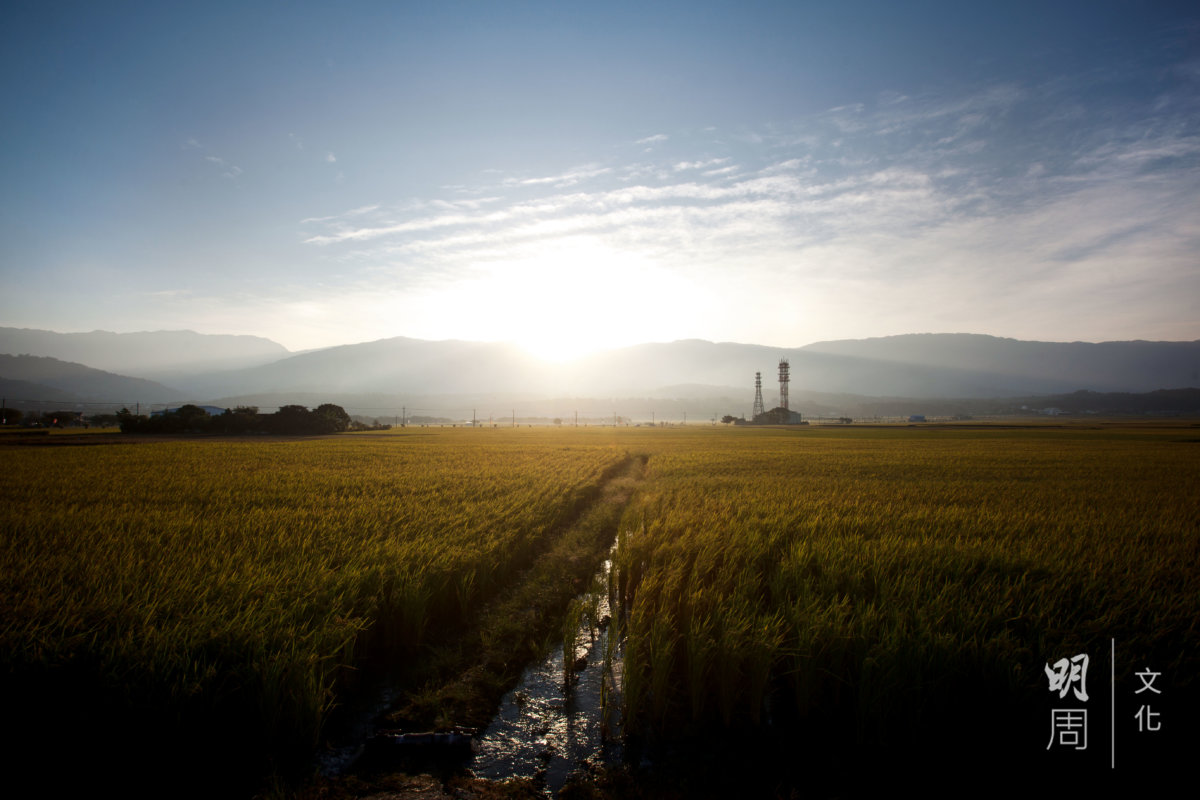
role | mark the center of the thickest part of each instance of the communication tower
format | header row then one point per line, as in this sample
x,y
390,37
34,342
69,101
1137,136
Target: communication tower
x,y
759,410
783,384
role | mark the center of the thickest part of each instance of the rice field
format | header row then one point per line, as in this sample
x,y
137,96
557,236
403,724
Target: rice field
x,y
822,592
217,591
893,596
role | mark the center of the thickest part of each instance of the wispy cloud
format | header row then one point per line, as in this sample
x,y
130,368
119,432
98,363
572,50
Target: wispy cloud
x,y
354,212
568,178
655,139
913,208
686,165
227,170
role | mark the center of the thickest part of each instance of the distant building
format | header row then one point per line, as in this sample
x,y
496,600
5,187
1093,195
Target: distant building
x,y
779,416
917,418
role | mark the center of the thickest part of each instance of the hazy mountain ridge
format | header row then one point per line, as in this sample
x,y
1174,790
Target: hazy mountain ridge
x,y
19,391
66,380
144,354
465,374
1025,367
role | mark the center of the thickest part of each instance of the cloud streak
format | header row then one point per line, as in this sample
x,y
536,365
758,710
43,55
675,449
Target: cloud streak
x,y
228,170
911,214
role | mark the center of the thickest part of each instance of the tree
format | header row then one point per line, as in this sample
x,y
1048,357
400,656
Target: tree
x,y
242,419
131,423
188,417
291,419
333,417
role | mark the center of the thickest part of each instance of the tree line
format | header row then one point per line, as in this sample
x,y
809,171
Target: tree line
x,y
293,419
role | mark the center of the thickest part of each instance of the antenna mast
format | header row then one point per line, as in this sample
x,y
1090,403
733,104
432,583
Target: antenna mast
x,y
759,410
783,383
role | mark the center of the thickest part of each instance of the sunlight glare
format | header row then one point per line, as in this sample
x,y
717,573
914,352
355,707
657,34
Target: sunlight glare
x,y
578,296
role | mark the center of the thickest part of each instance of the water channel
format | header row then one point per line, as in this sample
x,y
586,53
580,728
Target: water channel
x,y
552,723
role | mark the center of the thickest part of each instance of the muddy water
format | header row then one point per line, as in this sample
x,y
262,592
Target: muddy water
x,y
552,724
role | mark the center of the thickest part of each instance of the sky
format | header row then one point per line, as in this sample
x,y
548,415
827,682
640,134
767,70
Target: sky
x,y
580,176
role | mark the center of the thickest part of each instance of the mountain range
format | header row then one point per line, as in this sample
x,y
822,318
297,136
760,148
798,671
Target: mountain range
x,y
155,355
49,379
179,366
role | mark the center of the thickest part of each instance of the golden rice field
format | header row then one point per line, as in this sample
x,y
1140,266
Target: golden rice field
x,y
820,591
898,592
181,582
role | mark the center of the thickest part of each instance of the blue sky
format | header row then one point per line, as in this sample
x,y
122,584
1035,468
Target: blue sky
x,y
577,176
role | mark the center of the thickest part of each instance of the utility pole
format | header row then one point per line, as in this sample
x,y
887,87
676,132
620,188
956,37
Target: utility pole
x,y
404,416
472,418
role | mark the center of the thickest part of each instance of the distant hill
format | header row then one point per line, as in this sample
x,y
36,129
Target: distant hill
x,y
154,354
16,392
972,365
52,379
690,373
921,365
397,365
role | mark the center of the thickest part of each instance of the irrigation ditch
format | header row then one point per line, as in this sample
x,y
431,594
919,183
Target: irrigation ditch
x,y
564,716
545,652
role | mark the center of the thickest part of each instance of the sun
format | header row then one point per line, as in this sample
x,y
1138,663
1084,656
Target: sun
x,y
576,297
